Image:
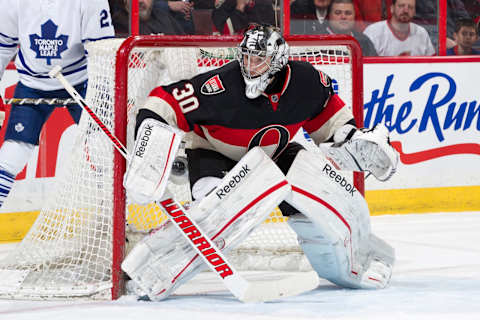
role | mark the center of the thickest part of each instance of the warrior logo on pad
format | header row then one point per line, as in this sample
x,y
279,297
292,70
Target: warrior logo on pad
x,y
212,86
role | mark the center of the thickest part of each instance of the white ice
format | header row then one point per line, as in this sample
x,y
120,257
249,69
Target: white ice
x,y
436,276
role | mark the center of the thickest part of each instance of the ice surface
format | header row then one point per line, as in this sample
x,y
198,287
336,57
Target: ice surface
x,y
437,276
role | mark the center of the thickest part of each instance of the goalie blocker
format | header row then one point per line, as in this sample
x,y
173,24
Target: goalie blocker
x,y
151,161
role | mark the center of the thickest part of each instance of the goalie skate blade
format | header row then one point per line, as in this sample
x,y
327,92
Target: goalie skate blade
x,y
265,291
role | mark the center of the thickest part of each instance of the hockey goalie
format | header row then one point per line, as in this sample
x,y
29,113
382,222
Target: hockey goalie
x,y
241,120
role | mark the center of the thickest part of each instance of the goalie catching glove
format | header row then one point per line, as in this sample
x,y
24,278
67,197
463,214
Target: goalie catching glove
x,y
151,161
358,150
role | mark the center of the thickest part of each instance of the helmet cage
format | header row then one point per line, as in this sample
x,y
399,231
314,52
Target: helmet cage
x,y
254,62
262,53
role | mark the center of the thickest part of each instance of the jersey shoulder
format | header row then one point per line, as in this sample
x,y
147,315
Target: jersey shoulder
x,y
218,80
310,77
225,71
96,3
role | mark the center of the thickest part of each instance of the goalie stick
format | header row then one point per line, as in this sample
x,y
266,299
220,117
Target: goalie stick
x,y
245,291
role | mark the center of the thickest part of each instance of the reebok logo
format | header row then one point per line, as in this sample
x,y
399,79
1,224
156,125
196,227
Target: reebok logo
x,y
147,132
338,178
230,185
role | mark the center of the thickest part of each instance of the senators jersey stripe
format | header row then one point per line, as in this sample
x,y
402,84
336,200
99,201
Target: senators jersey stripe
x,y
243,137
179,120
334,105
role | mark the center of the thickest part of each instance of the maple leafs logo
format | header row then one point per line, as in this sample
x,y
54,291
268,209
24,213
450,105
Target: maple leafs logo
x,y
47,46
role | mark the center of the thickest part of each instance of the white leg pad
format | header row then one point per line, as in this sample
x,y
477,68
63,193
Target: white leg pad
x,y
242,200
334,227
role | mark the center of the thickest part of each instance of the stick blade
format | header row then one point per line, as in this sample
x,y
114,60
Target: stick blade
x,y
270,290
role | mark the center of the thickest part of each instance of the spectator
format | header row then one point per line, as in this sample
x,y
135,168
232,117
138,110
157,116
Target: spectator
x,y
308,16
399,36
427,17
372,11
234,16
341,20
465,35
152,20
181,11
473,8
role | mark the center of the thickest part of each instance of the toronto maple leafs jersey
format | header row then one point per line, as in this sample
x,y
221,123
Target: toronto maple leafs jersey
x,y
49,33
213,108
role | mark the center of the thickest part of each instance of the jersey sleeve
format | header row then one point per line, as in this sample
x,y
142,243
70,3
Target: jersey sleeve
x,y
8,32
333,114
171,103
96,20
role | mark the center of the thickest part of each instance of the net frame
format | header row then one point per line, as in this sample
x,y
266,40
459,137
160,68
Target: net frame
x,y
116,242
121,98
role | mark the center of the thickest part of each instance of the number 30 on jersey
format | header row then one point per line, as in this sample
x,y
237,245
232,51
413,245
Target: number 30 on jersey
x,y
185,97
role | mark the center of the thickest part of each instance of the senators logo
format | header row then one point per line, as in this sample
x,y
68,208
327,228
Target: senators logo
x,y
212,86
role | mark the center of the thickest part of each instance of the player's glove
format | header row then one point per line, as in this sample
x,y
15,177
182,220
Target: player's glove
x,y
2,112
364,150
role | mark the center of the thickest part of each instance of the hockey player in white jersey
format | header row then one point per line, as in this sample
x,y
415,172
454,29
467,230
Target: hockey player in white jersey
x,y
43,33
250,109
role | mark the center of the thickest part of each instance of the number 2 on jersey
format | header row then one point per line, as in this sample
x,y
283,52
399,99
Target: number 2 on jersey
x,y
104,20
187,101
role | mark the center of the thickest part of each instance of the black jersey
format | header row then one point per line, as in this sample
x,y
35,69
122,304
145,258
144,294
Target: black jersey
x,y
214,107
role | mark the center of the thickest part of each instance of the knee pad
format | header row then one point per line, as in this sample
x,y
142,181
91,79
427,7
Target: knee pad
x,y
203,186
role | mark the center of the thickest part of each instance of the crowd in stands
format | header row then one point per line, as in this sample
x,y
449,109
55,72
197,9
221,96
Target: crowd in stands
x,y
382,27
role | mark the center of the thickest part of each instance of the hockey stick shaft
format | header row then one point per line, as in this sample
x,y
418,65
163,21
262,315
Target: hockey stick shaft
x,y
239,287
38,101
56,72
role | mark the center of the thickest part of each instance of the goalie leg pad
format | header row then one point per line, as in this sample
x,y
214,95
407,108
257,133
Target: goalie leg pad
x,y
243,199
334,227
368,151
151,161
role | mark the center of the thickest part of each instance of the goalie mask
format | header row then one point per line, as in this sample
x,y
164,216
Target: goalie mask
x,y
262,53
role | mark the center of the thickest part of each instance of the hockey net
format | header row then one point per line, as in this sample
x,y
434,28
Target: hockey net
x,y
75,247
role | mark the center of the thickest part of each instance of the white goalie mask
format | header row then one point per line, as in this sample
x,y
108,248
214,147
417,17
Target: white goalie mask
x,y
262,53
